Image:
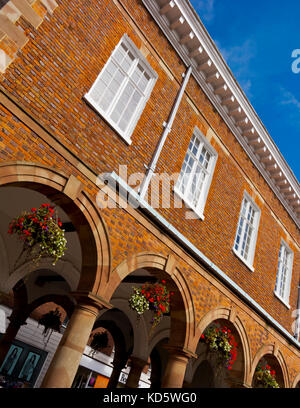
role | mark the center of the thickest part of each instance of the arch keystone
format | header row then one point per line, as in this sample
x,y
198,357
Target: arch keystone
x,y
232,314
170,265
73,187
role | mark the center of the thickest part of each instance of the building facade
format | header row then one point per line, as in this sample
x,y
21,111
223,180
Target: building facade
x,y
124,115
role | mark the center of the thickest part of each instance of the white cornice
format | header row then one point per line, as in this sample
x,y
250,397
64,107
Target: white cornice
x,y
196,48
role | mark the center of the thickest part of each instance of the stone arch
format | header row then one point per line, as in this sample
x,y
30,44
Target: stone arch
x,y
158,336
185,317
296,382
270,349
64,301
229,314
68,193
66,270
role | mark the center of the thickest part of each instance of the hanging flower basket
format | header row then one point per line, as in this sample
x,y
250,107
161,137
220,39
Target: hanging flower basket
x,y
265,377
151,296
40,232
51,321
100,341
222,342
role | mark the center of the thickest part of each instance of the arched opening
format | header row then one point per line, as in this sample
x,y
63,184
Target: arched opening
x,y
133,273
221,361
266,371
23,284
204,376
36,343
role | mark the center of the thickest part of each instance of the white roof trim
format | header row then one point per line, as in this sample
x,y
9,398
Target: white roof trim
x,y
196,48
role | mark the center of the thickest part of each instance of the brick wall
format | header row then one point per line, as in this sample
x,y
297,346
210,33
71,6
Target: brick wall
x,y
58,66
48,79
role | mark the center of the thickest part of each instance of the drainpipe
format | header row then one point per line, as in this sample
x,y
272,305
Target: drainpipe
x,y
168,126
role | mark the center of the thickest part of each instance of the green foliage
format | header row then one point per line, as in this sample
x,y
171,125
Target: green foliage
x,y
265,376
222,341
41,228
155,297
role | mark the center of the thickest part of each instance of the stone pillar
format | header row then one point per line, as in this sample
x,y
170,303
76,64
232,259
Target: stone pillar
x,y
65,362
137,366
118,364
17,319
176,366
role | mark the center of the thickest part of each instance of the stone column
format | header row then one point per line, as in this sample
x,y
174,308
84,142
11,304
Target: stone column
x,y
176,366
17,319
137,366
118,364
65,362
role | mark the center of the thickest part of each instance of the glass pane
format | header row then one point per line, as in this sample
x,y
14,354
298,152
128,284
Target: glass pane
x,y
110,69
144,82
121,105
106,99
196,147
127,62
97,92
137,74
120,53
131,107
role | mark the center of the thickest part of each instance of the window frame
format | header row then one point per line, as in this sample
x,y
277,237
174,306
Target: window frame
x,y
139,60
252,247
286,297
199,208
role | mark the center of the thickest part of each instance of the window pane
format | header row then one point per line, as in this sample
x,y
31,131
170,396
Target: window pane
x,y
106,99
144,82
127,62
284,269
246,230
120,53
121,105
131,108
137,73
194,172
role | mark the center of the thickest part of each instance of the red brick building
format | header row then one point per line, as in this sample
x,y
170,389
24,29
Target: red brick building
x,y
138,91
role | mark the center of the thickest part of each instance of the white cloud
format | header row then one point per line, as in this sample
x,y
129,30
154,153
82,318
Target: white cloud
x,y
205,9
238,58
287,98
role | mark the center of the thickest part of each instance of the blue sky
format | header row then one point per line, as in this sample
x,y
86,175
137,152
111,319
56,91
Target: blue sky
x,y
256,39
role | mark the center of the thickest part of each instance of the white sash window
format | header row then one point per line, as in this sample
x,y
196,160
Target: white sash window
x,y
196,173
122,88
246,233
284,272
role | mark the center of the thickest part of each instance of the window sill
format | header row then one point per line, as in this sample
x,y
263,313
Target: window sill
x,y
243,260
198,213
109,122
282,300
